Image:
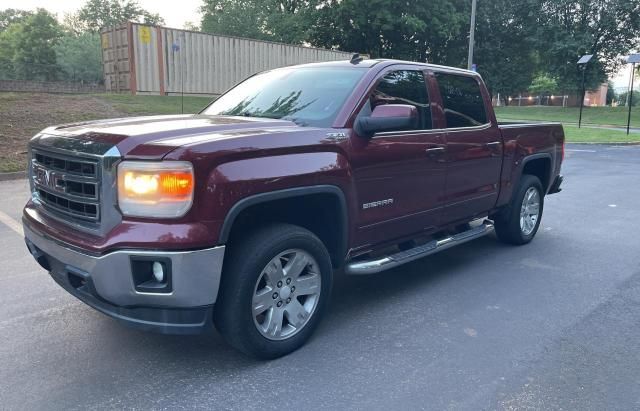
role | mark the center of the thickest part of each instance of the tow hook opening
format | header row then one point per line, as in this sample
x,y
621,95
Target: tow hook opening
x,y
80,280
39,256
76,281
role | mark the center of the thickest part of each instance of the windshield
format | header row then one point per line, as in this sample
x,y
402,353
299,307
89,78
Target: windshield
x,y
307,96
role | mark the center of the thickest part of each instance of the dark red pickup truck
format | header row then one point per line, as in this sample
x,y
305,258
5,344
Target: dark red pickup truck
x,y
239,216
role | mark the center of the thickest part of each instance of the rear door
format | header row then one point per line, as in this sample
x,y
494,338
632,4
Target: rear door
x,y
474,147
399,174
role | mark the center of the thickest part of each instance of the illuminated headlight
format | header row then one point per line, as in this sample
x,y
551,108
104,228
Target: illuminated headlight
x,y
155,189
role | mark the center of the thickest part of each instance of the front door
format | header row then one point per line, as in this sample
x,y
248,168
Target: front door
x,y
400,175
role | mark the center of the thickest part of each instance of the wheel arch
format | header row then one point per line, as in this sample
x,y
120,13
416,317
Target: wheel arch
x,y
336,241
539,165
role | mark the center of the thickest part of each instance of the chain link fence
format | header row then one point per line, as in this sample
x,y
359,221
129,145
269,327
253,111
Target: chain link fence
x,y
48,78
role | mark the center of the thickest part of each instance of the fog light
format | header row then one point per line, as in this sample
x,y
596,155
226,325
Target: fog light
x,y
151,274
158,272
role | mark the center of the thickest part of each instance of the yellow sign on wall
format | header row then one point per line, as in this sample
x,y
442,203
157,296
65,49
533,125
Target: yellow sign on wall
x,y
144,33
105,41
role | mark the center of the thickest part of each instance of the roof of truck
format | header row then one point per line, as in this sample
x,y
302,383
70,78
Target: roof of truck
x,y
368,63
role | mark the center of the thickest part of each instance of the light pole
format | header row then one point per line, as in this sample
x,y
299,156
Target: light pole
x,y
633,59
582,63
472,33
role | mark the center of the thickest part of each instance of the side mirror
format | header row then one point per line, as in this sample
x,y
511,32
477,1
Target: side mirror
x,y
388,117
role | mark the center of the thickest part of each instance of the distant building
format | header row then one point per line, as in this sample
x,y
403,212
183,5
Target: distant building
x,y
598,97
592,98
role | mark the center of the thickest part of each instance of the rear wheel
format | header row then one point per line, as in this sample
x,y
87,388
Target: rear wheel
x,y
519,223
274,292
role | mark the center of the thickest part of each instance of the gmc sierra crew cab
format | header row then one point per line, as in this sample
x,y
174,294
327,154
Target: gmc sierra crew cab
x,y
239,216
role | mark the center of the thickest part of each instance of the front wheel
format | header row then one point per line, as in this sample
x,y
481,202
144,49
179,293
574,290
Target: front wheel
x,y
520,221
274,291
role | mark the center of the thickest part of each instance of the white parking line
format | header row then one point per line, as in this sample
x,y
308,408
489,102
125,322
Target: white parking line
x,y
11,223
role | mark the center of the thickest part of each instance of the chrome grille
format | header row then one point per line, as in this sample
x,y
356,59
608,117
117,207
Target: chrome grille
x,y
67,185
85,168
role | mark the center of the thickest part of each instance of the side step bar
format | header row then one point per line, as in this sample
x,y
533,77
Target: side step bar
x,y
403,257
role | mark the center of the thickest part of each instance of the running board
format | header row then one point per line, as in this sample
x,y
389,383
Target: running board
x,y
403,257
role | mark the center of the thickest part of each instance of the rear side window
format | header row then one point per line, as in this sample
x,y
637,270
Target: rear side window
x,y
404,87
462,100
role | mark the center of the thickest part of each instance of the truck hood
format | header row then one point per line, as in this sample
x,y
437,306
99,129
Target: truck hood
x,y
152,137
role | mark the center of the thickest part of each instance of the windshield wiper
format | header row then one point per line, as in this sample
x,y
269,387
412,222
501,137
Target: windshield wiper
x,y
257,115
295,120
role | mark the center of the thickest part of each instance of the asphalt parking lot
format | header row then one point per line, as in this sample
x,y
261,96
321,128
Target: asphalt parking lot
x,y
553,325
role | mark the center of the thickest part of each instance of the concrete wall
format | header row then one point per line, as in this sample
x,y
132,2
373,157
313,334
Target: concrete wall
x,y
49,86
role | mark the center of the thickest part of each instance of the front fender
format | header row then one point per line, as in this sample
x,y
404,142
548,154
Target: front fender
x,y
232,186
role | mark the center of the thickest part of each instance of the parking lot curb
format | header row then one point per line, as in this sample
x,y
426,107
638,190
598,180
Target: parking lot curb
x,y
16,175
598,143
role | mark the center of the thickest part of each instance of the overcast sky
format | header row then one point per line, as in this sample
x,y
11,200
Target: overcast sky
x,y
174,13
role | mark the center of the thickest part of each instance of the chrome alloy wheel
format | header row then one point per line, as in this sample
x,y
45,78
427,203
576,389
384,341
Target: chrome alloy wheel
x,y
286,294
529,211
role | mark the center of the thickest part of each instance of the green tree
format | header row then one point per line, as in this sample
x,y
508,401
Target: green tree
x,y
234,18
80,57
544,85
276,20
9,16
568,29
97,14
189,25
611,93
504,49
27,48
413,29
8,40
623,98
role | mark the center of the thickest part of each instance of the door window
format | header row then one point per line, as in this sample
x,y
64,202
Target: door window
x,y
403,87
462,100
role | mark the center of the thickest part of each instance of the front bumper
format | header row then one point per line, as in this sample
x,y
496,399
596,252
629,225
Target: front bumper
x,y
106,283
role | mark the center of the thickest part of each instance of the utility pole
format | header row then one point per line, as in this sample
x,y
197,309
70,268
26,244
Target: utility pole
x,y
582,63
633,60
633,74
584,71
472,32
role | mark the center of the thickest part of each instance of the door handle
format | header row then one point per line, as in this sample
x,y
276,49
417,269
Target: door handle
x,y
435,150
492,145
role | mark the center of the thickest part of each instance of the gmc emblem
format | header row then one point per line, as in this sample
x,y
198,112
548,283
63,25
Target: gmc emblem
x,y
48,178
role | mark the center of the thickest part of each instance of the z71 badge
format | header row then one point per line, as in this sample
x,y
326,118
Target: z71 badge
x,y
380,203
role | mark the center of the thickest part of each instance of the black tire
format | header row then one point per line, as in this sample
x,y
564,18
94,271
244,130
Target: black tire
x,y
233,314
507,223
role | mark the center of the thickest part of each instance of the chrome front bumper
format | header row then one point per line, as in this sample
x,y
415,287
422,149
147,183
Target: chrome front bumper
x,y
106,283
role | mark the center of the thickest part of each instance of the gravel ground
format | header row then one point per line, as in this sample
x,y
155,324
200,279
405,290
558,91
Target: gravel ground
x,y
25,114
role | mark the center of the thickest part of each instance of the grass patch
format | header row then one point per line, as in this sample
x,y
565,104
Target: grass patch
x,y
614,116
153,105
574,134
8,165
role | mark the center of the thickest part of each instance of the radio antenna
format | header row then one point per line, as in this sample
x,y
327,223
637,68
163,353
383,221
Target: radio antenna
x,y
182,79
356,58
